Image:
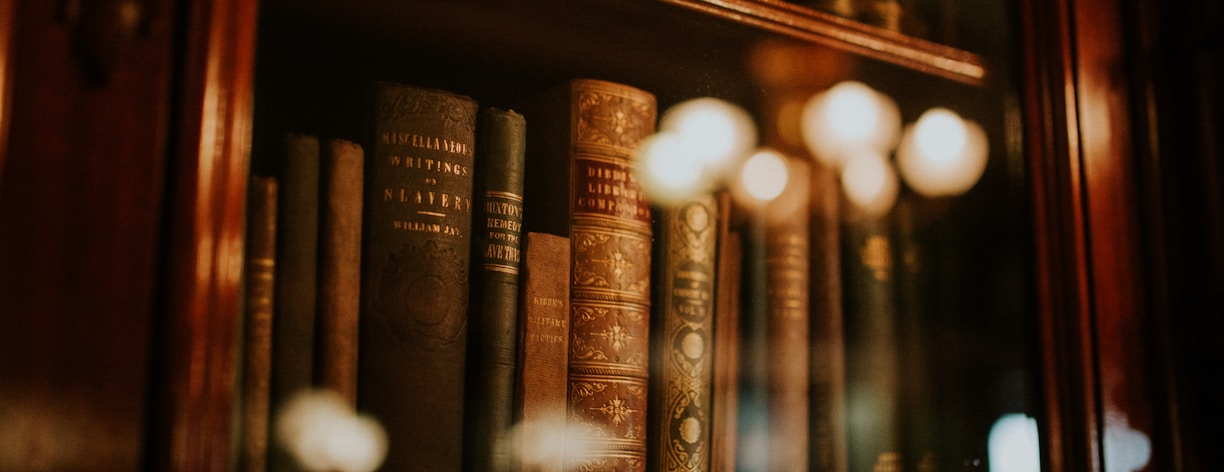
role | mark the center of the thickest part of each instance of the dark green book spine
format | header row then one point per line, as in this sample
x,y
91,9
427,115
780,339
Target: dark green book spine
x,y
493,336
416,258
872,369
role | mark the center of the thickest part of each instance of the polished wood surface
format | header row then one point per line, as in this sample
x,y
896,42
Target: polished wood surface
x,y
121,209
8,10
203,264
80,217
1061,259
1177,65
1119,298
853,37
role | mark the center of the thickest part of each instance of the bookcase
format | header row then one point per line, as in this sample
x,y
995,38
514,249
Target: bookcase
x,y
1039,292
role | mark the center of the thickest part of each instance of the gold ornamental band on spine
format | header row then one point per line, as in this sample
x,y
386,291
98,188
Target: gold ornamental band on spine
x,y
682,327
606,214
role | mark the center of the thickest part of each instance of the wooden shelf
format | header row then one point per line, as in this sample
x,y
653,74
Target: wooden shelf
x,y
847,35
661,41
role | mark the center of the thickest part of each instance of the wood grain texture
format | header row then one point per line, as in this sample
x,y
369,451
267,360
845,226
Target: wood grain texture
x,y
80,219
202,264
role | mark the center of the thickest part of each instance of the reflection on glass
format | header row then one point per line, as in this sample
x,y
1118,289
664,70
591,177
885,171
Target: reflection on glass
x,y
668,170
870,182
1126,449
716,131
323,432
763,176
846,119
1013,444
541,443
942,154
697,143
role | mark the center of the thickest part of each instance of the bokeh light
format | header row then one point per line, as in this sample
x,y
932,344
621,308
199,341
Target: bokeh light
x,y
716,131
324,433
941,154
870,182
848,118
1013,444
668,170
764,175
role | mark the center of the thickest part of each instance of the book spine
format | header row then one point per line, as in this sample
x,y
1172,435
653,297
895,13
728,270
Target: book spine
x,y
339,268
297,248
494,325
787,267
828,373
543,362
682,334
872,369
416,254
258,306
607,217
724,399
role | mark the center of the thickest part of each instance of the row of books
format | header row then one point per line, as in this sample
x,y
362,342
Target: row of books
x,y
480,281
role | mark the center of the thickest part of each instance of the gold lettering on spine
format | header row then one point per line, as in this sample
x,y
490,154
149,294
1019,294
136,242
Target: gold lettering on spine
x,y
504,225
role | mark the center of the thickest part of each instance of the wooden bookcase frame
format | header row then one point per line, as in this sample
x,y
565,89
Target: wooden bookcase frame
x,y
1079,296
1096,303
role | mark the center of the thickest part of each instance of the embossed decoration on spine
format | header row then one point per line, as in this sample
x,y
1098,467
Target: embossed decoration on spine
x,y
683,381
610,278
416,253
421,191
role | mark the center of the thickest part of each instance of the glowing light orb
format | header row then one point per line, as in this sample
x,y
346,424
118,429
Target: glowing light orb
x,y
764,175
941,154
870,183
1013,444
323,433
716,131
668,170
847,118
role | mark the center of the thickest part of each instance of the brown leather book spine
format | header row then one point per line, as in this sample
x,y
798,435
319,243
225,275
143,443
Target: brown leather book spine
x,y
828,353
297,246
724,398
682,333
493,333
787,264
543,364
590,131
341,184
257,334
415,259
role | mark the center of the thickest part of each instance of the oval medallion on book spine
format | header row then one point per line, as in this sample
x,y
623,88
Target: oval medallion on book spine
x,y
410,295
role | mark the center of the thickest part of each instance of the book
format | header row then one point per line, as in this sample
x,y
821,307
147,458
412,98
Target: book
x,y
416,252
297,246
682,334
751,391
787,276
339,284
493,325
582,184
872,366
828,369
257,330
724,398
543,359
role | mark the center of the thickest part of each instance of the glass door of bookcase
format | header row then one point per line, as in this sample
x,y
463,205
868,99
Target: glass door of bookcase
x,y
923,335
884,301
